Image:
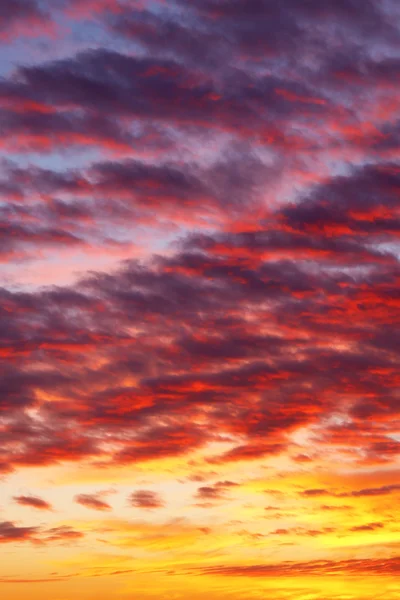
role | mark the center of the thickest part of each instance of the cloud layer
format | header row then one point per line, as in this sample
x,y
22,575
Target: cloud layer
x,y
200,310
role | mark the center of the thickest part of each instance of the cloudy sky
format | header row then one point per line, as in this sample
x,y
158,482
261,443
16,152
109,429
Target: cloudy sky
x,y
199,301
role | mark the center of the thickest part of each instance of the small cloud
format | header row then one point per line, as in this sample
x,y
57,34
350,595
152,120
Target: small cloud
x,y
145,499
33,502
63,533
92,501
315,492
215,491
367,527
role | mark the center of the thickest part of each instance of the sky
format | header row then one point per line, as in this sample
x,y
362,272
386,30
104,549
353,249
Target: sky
x,y
199,299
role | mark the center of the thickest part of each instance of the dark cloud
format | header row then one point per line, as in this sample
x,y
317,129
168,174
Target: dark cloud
x,y
364,203
250,30
58,211
20,16
197,298
241,125
105,80
162,35
241,158
30,126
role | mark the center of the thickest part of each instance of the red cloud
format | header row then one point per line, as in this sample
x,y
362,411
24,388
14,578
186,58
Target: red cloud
x,y
11,533
62,534
33,501
367,527
92,501
283,316
361,567
216,491
145,499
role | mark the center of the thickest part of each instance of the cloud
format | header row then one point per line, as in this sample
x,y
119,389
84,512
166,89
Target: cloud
x,y
379,491
33,501
71,210
367,527
315,492
361,567
23,17
275,310
145,499
302,531
92,501
199,229
197,298
9,532
216,491
362,493
62,534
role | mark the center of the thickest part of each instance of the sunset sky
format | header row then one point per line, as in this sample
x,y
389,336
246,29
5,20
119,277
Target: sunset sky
x,y
200,299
